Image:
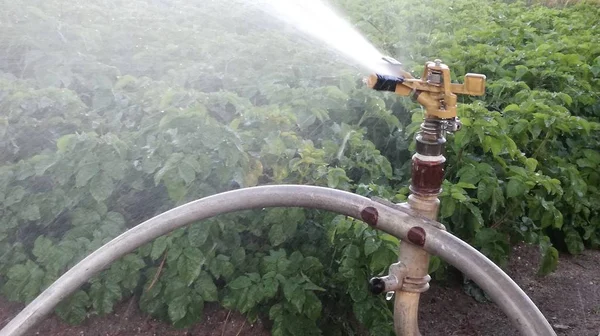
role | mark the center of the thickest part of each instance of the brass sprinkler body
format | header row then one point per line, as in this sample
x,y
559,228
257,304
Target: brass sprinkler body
x,y
434,91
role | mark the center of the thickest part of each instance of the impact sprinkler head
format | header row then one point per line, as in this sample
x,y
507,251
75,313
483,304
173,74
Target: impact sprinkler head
x,y
435,90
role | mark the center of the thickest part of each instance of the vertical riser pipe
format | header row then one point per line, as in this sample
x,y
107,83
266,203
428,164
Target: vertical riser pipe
x,y
426,184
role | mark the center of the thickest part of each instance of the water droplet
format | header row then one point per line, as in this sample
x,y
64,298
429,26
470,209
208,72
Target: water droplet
x,y
389,295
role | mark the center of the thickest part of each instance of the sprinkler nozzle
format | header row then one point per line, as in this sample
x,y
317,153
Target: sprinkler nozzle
x,y
383,82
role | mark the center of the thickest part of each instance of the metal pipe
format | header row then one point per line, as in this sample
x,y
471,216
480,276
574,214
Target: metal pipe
x,y
426,184
513,301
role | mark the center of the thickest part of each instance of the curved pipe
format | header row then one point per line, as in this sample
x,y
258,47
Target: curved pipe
x,y
513,301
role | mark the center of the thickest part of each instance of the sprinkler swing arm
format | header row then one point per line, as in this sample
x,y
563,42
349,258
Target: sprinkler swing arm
x,y
413,222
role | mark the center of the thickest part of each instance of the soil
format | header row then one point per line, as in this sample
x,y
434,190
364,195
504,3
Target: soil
x,y
128,320
569,298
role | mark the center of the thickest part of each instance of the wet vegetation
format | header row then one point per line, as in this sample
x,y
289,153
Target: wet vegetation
x,y
114,111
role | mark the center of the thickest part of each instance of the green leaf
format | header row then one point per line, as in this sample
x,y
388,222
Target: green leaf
x,y
42,249
434,264
484,191
276,261
240,282
150,301
178,307
312,306
73,309
114,218
102,99
158,247
496,145
511,107
521,71
310,286
101,187
276,312
458,196
115,169
43,163
131,266
85,173
255,296
478,218
371,245
207,288
294,294
586,163
66,143
277,235
558,218
238,256
521,126
592,155
549,261
186,172
464,185
220,266
363,310
547,219
24,281
198,233
311,265
189,264
469,174
515,187
531,164
15,196
270,285
104,294
448,207
31,213
171,163
574,241
336,177
175,288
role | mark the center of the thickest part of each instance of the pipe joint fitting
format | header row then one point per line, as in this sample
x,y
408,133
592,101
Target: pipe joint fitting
x,y
416,285
391,282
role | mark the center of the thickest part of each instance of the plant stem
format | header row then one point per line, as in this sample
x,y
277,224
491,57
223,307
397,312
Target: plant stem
x,y
158,271
225,323
541,146
499,222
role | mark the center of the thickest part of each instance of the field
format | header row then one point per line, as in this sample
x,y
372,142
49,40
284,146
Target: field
x,y
114,111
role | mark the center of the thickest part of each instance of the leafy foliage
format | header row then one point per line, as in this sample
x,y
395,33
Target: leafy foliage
x,y
102,128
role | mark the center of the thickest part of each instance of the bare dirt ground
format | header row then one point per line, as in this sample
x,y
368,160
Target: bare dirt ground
x,y
569,298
